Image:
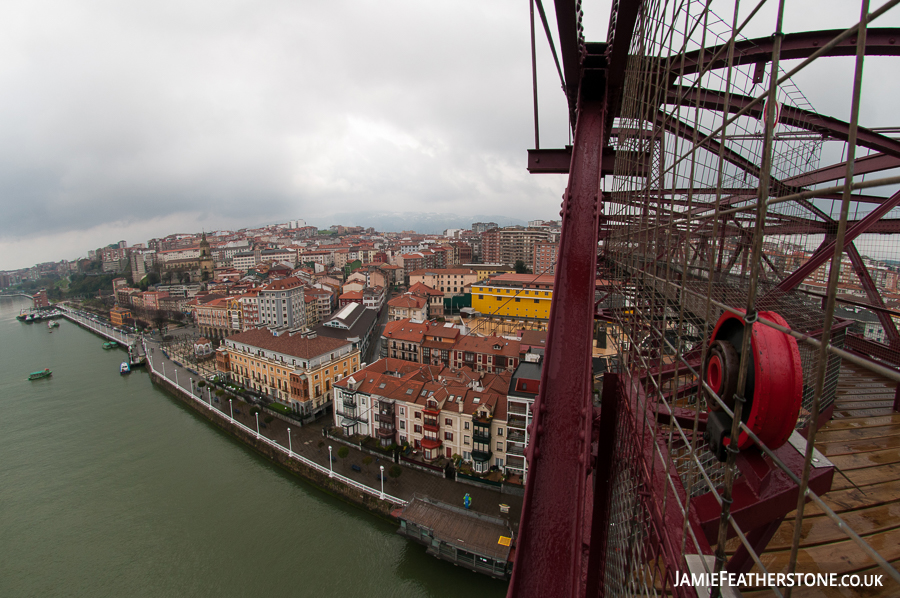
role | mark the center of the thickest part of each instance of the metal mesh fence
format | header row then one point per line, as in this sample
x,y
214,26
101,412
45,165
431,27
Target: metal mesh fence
x,y
715,203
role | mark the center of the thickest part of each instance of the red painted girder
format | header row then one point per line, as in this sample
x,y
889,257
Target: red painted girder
x,y
873,349
836,172
549,549
790,115
879,42
882,227
874,295
763,493
826,251
566,24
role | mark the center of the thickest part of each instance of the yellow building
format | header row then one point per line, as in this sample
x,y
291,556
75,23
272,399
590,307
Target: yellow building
x,y
519,296
297,370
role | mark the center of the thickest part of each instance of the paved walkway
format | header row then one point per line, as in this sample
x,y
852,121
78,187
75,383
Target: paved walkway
x,y
308,440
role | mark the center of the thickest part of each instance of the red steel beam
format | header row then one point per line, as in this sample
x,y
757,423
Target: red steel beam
x,y
826,251
872,293
790,115
883,41
836,172
549,550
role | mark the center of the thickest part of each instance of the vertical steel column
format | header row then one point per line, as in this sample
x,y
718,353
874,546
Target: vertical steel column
x,y
550,550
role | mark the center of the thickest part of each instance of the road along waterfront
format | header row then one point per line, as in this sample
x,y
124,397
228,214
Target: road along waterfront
x,y
113,488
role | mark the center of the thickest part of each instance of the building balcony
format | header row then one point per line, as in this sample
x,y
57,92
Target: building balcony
x,y
514,436
478,436
515,449
350,415
349,403
385,432
432,412
431,443
516,421
481,456
516,409
387,418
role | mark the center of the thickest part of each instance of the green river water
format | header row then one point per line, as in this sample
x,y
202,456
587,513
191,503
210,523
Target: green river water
x,y
110,487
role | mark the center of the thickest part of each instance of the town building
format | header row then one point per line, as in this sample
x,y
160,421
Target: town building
x,y
519,296
545,258
282,304
511,244
450,281
436,411
295,369
408,306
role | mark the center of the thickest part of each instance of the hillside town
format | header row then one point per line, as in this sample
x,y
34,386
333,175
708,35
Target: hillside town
x,y
431,344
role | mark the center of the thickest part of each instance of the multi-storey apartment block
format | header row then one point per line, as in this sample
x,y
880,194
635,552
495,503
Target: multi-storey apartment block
x,y
297,370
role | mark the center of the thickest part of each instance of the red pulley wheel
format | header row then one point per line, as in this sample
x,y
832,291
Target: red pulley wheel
x,y
774,389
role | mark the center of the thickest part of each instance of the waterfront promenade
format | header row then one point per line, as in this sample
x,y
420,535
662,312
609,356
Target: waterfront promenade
x,y
307,441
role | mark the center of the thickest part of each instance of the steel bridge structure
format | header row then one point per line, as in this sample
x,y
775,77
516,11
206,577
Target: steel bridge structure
x,y
703,192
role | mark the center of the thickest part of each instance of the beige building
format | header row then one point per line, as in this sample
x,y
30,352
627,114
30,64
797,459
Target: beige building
x,y
297,370
450,281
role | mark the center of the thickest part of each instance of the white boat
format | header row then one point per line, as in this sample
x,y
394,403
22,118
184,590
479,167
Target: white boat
x,y
124,368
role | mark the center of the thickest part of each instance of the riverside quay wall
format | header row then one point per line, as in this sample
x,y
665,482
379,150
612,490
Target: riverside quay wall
x,y
322,480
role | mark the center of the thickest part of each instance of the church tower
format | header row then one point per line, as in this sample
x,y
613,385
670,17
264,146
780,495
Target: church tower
x,y
207,265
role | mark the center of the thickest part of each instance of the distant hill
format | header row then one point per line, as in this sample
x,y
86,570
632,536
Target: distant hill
x,y
424,223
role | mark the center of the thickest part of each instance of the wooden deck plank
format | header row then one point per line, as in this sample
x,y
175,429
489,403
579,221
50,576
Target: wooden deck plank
x,y
867,476
820,529
844,556
866,459
851,498
856,446
830,434
864,422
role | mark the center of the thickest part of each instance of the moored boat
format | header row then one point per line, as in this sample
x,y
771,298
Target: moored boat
x,y
46,373
124,368
110,345
52,324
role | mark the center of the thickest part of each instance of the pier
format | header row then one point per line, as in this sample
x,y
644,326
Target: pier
x,y
136,354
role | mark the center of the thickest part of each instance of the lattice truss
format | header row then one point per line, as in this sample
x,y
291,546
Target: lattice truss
x,y
688,235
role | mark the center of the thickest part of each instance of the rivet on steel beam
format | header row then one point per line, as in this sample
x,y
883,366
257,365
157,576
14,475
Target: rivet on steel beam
x,y
536,453
540,430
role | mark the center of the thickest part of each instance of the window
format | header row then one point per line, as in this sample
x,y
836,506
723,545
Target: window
x,y
402,411
499,430
465,440
499,446
448,421
418,415
467,425
417,429
448,435
402,424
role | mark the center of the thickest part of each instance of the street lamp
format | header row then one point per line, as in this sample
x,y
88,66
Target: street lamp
x,y
164,369
208,395
290,451
382,481
330,468
257,424
230,406
176,376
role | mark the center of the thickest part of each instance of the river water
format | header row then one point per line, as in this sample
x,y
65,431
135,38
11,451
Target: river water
x,y
110,487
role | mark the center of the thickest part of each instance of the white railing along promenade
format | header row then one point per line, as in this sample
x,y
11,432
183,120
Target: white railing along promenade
x,y
286,450
101,329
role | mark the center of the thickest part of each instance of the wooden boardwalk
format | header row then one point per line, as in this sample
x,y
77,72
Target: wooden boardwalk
x,y
863,441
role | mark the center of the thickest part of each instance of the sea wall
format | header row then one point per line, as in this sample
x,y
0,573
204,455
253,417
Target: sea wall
x,y
331,485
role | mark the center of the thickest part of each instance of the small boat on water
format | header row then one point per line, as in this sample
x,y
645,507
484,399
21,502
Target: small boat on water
x,y
52,324
46,373
110,345
124,368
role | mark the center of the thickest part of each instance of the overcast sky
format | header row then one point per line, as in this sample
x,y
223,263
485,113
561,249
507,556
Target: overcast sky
x,y
129,120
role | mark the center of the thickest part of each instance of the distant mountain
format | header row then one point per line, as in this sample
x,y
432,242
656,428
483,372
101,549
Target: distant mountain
x,y
423,223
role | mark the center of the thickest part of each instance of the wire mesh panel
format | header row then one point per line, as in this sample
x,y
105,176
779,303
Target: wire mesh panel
x,y
718,226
